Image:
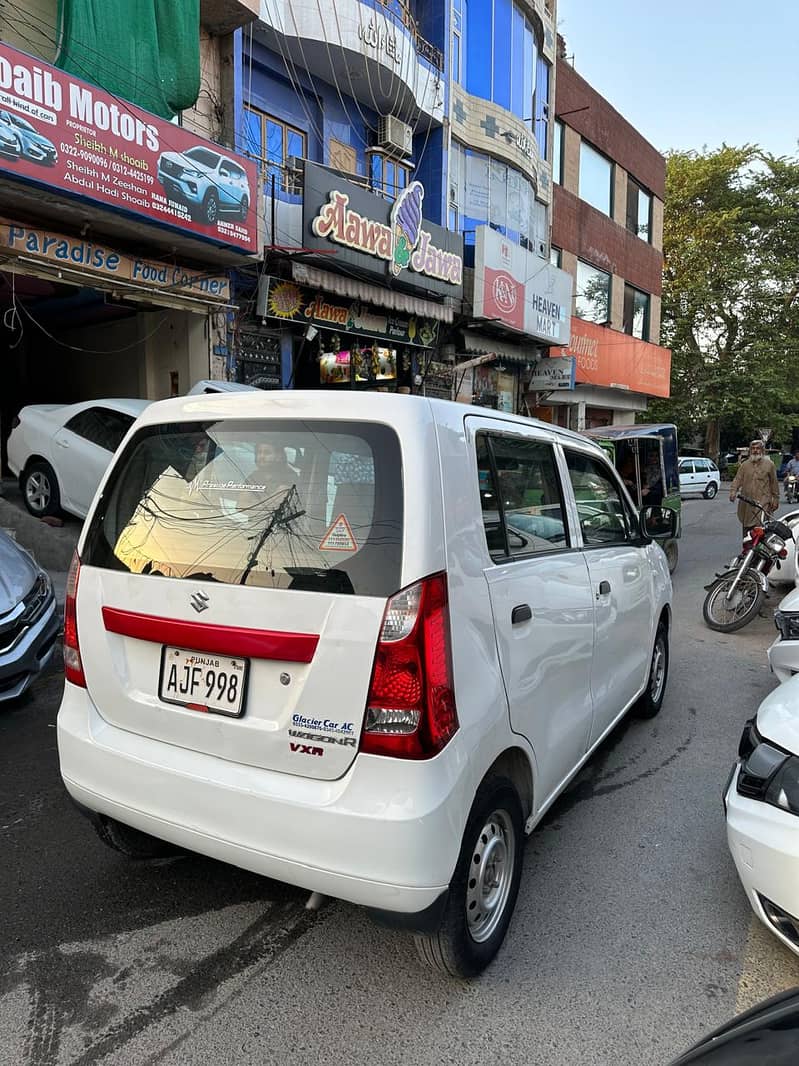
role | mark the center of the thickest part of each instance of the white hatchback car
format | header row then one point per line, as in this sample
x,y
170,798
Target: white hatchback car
x,y
60,452
698,477
762,804
321,637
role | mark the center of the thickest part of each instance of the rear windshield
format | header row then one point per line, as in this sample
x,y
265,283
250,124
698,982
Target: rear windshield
x,y
315,506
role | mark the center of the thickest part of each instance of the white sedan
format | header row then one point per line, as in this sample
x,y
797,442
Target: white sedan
x,y
60,453
762,805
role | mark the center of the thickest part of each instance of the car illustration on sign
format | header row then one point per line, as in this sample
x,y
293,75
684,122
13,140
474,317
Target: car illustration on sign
x,y
208,183
32,145
10,145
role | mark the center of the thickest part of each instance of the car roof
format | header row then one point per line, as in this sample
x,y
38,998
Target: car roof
x,y
126,406
389,408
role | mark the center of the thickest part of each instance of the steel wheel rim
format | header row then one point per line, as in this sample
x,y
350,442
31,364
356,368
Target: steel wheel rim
x,y
658,671
490,875
742,604
37,491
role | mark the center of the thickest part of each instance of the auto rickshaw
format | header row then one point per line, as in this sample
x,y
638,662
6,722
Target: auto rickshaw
x,y
646,458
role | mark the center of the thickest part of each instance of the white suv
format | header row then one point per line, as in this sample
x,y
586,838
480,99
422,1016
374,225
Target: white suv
x,y
358,643
699,477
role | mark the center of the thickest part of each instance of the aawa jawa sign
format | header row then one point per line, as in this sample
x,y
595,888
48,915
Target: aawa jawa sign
x,y
68,135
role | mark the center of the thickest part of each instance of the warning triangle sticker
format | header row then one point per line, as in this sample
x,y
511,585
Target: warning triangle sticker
x,y
339,537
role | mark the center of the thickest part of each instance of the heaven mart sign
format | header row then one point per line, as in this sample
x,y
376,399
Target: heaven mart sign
x,y
100,263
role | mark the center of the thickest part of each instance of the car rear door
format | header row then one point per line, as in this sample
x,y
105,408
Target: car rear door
x,y
233,587
621,587
82,452
540,596
687,476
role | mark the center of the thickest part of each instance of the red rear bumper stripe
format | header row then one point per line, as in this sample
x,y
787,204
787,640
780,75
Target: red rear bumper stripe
x,y
224,640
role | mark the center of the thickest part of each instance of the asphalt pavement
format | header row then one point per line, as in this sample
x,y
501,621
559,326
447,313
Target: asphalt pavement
x,y
631,936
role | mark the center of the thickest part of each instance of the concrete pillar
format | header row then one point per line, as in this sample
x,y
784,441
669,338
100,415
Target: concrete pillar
x,y
657,224
571,159
655,304
619,195
617,302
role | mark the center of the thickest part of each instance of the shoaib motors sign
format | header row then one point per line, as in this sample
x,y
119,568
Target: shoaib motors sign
x,y
65,134
616,360
520,290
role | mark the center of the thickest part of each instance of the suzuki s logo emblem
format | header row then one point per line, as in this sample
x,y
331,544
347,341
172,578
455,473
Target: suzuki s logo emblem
x,y
199,601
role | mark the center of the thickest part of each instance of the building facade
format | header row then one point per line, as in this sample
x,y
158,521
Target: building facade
x,y
607,233
119,226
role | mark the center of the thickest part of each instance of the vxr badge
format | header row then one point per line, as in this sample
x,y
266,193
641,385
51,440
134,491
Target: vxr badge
x,y
199,601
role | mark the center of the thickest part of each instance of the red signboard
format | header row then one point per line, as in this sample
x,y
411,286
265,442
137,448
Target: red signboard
x,y
68,135
606,357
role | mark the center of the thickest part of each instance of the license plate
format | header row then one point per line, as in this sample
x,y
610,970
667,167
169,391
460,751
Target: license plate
x,y
203,681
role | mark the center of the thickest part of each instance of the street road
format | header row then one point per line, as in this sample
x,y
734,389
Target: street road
x,y
631,937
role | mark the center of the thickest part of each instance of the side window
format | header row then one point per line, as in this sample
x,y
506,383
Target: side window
x,y
520,494
87,425
686,468
101,426
604,517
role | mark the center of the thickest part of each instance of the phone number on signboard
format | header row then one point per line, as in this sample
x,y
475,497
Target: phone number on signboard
x,y
106,163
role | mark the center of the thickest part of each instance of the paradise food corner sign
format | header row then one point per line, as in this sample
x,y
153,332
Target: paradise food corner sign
x,y
406,246
65,134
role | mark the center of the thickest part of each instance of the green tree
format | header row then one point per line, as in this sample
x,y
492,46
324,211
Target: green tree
x,y
731,291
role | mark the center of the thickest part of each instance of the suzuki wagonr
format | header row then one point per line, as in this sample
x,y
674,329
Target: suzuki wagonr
x,y
357,643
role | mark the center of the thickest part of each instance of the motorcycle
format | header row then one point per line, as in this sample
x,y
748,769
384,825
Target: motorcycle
x,y
791,488
735,597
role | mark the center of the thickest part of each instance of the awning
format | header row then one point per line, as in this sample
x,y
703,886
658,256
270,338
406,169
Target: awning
x,y
356,289
523,351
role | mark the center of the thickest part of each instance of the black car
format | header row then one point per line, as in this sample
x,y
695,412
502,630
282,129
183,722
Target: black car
x,y
33,145
766,1035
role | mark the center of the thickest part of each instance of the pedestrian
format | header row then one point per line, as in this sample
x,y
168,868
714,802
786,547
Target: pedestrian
x,y
757,479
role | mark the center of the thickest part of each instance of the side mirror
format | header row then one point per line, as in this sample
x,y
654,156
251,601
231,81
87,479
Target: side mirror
x,y
658,523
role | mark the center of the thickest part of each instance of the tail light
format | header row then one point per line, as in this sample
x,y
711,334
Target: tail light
x,y
73,667
410,711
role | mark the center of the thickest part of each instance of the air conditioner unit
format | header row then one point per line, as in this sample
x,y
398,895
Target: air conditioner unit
x,y
395,134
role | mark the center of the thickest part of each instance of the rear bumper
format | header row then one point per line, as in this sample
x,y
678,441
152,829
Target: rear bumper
x,y
20,666
386,835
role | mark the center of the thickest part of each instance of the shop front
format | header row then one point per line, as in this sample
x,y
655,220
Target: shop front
x,y
614,374
520,306
114,274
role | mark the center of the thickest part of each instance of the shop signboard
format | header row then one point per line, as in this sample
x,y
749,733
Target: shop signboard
x,y
68,136
616,360
99,263
291,302
390,240
519,289
552,375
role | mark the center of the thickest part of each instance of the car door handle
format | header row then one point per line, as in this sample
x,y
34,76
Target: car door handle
x,y
604,589
62,443
522,613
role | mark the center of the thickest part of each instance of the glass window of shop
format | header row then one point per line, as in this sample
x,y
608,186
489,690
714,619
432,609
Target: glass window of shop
x,y
272,143
555,256
541,105
592,298
636,312
557,152
500,54
639,210
485,190
596,179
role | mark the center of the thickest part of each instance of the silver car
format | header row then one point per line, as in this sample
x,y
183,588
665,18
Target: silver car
x,y
29,622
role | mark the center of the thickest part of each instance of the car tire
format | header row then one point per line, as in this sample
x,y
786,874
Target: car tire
x,y
244,207
211,207
132,843
40,491
650,702
711,490
484,887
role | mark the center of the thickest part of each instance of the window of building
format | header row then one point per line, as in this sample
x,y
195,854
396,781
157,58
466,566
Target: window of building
x,y
557,152
542,106
483,191
387,177
555,256
272,144
592,299
457,40
639,210
500,54
596,179
636,312
342,156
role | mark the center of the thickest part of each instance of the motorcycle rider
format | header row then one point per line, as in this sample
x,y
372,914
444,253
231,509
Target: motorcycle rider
x,y
792,467
757,479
